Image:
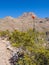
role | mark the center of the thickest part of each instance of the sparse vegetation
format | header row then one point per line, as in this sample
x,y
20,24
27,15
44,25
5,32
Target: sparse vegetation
x,y
32,44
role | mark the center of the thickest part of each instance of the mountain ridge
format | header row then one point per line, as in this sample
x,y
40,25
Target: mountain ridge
x,y
24,22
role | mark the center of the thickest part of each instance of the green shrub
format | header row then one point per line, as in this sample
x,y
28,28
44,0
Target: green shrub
x,y
32,44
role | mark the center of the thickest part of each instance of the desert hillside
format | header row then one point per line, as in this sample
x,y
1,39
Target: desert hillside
x,y
24,23
24,45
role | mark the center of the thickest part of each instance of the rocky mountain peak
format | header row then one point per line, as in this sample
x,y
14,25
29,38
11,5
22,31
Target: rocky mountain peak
x,y
24,23
28,14
8,17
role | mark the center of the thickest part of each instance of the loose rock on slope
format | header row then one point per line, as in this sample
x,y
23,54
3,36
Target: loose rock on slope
x,y
4,53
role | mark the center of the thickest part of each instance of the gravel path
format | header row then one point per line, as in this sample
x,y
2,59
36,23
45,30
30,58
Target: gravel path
x,y
4,53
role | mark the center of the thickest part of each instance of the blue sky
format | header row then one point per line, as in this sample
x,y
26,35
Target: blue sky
x,y
15,8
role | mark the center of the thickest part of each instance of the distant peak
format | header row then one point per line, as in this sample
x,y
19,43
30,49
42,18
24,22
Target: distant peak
x,y
29,14
8,17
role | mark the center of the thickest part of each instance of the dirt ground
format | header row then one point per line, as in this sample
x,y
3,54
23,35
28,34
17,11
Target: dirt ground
x,y
4,53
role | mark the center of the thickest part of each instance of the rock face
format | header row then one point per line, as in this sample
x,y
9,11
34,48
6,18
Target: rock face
x,y
4,53
24,23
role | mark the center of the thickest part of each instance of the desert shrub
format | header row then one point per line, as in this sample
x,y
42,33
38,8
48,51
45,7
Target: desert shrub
x,y
4,33
31,42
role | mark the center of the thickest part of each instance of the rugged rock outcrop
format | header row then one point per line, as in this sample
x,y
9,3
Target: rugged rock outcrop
x,y
24,23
